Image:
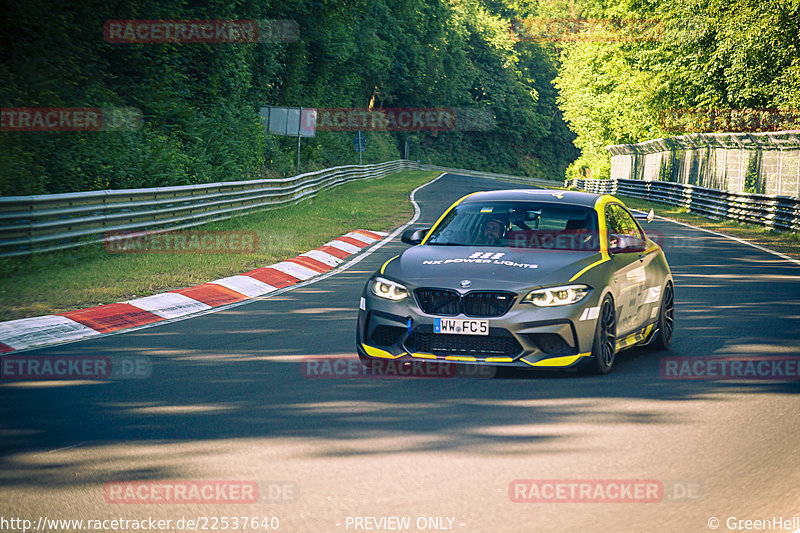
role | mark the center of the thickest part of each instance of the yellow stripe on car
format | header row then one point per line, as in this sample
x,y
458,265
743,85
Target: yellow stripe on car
x,y
652,249
387,262
576,276
430,232
634,338
599,207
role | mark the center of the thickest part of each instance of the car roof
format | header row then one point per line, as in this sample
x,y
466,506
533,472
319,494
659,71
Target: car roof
x,y
537,195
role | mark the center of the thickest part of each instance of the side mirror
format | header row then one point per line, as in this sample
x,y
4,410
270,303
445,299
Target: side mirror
x,y
414,236
626,244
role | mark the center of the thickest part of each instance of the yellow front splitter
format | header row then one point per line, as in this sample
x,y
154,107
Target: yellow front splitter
x,y
553,362
558,362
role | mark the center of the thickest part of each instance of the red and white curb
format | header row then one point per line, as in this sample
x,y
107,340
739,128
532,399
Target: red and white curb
x,y
38,331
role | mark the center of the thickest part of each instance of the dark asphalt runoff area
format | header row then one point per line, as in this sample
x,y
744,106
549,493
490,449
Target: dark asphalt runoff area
x,y
227,400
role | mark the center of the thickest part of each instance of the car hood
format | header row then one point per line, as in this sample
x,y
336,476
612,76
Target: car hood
x,y
487,267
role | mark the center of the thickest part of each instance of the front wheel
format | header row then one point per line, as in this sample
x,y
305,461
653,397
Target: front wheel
x,y
604,349
666,319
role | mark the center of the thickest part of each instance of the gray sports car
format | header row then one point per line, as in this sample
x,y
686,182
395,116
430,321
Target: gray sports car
x,y
520,278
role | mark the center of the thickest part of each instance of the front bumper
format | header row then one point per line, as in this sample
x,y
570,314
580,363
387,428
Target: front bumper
x,y
526,336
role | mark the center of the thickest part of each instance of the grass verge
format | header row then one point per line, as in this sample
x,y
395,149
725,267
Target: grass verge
x,y
84,277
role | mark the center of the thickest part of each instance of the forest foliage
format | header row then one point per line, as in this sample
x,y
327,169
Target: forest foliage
x,y
562,79
199,101
656,68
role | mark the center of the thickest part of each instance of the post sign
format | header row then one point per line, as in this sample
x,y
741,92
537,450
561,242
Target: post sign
x,y
290,121
360,142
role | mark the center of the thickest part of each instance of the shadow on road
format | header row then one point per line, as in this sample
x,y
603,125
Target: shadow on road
x,y
237,375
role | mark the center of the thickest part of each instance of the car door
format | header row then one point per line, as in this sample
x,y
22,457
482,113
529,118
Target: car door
x,y
631,272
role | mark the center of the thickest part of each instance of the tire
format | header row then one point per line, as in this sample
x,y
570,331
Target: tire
x,y
604,348
666,319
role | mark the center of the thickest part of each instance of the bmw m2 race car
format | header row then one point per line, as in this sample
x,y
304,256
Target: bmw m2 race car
x,y
520,278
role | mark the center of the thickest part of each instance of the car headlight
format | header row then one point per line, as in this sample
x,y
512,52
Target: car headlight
x,y
553,296
388,289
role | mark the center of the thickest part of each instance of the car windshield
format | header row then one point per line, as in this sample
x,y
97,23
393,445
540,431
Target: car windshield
x,y
539,225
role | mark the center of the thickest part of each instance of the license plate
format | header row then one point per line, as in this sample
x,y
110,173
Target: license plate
x,y
461,326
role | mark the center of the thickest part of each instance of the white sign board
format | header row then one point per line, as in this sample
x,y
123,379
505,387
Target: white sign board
x,y
288,120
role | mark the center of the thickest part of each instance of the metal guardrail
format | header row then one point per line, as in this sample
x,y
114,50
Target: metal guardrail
x,y
776,212
57,221
493,176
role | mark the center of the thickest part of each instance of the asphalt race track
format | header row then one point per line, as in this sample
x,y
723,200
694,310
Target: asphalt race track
x,y
227,400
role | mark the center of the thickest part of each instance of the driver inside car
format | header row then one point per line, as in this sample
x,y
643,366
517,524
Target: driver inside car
x,y
492,232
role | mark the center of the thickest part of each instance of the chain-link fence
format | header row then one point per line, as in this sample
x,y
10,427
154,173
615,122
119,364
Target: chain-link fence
x,y
760,163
